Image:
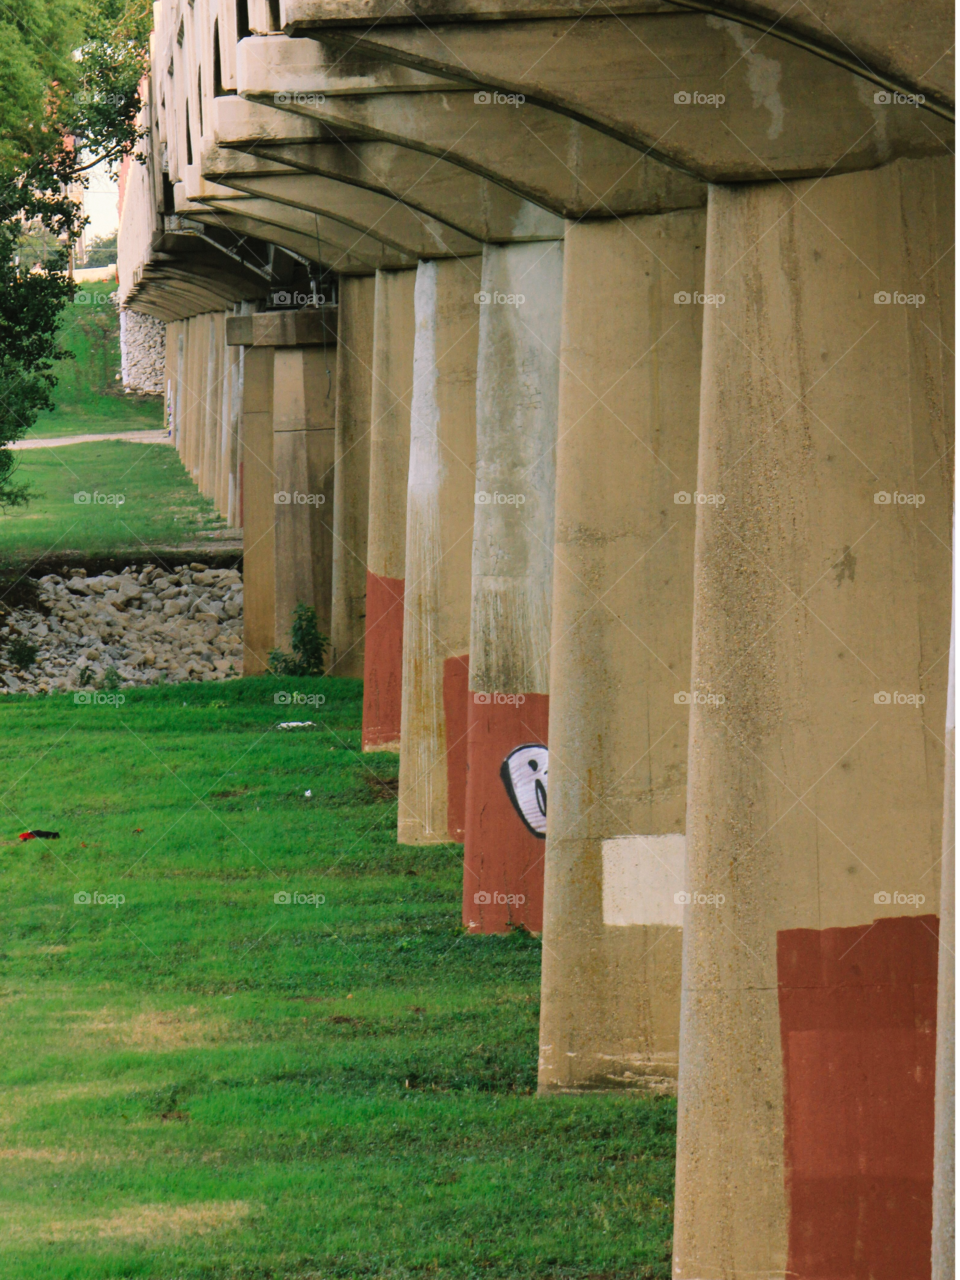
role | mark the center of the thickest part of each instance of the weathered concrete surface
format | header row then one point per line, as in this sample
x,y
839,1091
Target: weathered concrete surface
x,y
784,110
304,412
459,197
439,532
394,326
815,791
518,368
903,45
944,1154
257,476
622,620
547,158
352,483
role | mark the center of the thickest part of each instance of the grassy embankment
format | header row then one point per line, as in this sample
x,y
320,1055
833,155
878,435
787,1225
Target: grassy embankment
x,y
201,1083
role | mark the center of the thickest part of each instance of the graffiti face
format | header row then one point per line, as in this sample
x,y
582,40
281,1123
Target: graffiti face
x,y
524,774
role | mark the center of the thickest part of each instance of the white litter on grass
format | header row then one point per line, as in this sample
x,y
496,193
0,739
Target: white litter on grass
x,y
298,724
308,794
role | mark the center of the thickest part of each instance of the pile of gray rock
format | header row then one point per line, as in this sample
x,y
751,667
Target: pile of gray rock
x,y
148,624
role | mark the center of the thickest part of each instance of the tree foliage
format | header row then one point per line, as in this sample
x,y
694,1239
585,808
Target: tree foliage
x,y
70,70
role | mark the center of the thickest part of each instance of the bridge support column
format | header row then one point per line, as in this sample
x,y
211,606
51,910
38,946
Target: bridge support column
x,y
518,370
433,737
393,336
620,657
352,472
822,595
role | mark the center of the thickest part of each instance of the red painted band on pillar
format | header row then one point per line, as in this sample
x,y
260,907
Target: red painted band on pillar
x,y
382,661
456,675
502,858
858,1010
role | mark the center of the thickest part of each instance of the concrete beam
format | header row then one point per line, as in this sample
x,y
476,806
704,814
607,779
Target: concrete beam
x,y
770,108
547,158
897,45
476,206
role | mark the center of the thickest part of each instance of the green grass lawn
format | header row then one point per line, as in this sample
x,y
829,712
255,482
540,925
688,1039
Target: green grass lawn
x,y
202,1084
161,506
88,395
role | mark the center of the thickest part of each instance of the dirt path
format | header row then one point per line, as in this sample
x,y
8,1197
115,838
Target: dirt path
x,y
51,442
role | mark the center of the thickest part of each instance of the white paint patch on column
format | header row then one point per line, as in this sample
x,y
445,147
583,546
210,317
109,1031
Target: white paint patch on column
x,y
641,876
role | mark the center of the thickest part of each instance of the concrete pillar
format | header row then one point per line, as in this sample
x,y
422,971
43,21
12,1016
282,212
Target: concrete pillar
x,y
352,482
304,402
259,513
439,537
620,658
212,400
178,437
518,368
393,335
944,1155
821,588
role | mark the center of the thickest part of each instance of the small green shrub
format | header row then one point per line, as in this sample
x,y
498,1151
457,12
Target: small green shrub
x,y
308,643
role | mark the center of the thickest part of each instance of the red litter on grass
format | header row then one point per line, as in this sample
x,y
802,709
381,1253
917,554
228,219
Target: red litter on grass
x,y
39,835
